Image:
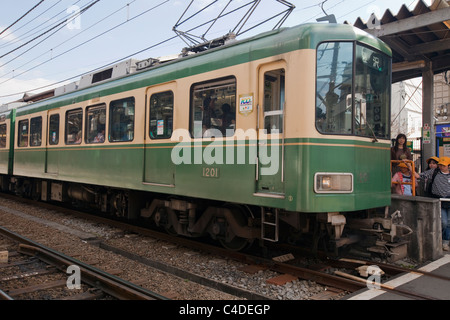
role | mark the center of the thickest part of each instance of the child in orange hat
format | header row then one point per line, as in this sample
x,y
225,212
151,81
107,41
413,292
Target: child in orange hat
x,y
404,175
440,188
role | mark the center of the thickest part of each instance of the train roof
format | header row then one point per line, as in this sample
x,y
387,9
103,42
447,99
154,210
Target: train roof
x,y
305,36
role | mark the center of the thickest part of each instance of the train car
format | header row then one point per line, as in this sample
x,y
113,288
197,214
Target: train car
x,y
7,121
281,134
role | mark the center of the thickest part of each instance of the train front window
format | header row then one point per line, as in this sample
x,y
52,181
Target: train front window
x,y
372,93
352,90
334,86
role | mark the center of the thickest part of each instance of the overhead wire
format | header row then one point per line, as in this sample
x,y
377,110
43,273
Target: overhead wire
x,y
52,28
185,35
358,8
320,5
36,29
98,68
116,61
59,26
26,13
93,25
87,41
253,4
27,23
60,44
110,63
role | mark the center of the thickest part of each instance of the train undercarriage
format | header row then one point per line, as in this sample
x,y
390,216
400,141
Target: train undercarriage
x,y
235,226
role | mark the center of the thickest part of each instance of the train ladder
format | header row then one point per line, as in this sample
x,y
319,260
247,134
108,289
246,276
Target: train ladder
x,y
269,229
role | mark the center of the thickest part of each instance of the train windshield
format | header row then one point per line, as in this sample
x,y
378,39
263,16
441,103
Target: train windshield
x,y
352,90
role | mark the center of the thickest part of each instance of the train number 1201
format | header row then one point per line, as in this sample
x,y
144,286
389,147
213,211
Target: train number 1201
x,y
211,172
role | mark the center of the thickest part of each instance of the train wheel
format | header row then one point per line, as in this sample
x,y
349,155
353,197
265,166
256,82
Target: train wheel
x,y
236,243
170,230
161,220
120,204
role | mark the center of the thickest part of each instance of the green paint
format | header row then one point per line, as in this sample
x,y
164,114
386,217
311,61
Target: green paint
x,y
124,167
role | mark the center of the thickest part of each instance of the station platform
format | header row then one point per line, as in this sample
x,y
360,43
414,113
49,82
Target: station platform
x,y
420,286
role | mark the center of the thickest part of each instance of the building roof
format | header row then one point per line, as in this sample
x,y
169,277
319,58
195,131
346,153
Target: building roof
x,y
416,37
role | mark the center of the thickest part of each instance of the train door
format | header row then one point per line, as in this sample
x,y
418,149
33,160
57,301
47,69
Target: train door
x,y
159,168
4,145
271,131
53,137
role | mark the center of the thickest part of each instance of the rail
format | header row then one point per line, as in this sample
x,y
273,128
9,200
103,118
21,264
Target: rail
x,y
413,176
110,284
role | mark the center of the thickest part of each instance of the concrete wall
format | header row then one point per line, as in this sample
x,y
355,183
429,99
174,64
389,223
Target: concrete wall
x,y
423,216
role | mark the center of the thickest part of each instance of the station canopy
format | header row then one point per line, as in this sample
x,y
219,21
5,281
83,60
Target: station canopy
x,y
419,38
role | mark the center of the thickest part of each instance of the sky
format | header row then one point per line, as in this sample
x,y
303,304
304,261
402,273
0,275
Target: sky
x,y
40,50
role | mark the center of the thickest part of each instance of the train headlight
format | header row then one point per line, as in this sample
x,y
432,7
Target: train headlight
x,y
326,182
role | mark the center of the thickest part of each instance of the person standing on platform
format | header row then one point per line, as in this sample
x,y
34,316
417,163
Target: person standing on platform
x,y
400,151
440,188
404,175
432,163
424,183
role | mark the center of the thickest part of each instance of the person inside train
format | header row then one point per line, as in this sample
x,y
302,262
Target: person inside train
x,y
208,110
100,137
78,138
404,175
228,120
440,188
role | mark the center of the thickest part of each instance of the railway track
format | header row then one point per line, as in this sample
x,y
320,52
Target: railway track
x,y
36,272
341,281
390,272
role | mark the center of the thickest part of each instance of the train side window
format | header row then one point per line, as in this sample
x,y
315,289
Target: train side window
x,y
213,108
2,136
95,124
23,133
74,126
274,96
53,131
36,132
161,115
121,120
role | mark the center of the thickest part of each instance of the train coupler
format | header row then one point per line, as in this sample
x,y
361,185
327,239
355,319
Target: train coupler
x,y
334,222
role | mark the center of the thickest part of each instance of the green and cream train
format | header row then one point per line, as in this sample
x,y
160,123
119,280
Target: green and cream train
x,y
266,138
